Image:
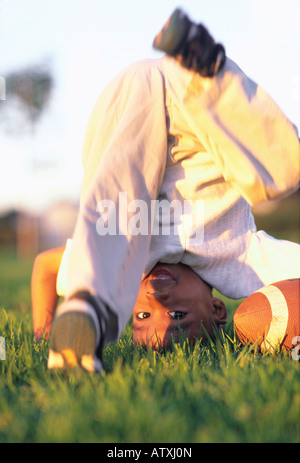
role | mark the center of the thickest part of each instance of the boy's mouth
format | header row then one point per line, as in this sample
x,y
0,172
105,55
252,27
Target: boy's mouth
x,y
162,272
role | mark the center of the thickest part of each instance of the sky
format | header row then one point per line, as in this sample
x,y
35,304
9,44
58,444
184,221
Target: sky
x,y
85,43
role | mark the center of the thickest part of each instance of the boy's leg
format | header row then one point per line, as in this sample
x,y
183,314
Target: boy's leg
x,y
108,256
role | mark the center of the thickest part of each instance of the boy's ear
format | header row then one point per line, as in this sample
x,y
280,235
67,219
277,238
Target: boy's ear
x,y
219,311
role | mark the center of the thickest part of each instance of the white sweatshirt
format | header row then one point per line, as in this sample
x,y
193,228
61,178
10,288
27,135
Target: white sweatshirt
x,y
160,131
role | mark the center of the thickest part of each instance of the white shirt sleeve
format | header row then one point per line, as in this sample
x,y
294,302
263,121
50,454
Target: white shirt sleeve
x,y
250,139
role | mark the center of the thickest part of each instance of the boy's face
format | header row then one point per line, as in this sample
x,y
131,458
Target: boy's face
x,y
172,292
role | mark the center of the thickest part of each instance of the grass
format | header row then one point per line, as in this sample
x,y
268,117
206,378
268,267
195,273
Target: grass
x,y
215,392
218,392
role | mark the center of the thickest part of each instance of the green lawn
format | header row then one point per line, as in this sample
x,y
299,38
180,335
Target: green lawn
x,y
218,392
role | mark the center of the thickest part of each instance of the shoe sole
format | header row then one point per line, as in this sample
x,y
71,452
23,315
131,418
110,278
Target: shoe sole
x,y
74,342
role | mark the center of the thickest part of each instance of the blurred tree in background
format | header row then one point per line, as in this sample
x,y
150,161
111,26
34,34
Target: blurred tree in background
x,y
27,94
28,91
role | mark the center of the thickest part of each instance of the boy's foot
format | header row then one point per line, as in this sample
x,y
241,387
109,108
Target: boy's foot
x,y
75,337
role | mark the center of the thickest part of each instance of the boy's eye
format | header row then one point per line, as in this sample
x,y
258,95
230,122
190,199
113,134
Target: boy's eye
x,y
176,314
143,315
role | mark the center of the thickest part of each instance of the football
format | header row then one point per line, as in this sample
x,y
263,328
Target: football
x,y
270,316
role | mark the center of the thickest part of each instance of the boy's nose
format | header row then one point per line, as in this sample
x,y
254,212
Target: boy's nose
x,y
160,284
160,295
160,289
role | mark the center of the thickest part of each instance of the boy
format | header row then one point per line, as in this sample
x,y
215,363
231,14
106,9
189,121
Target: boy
x,y
162,131
170,292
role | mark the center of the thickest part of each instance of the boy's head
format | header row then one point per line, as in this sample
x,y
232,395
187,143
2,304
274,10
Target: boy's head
x,y
172,292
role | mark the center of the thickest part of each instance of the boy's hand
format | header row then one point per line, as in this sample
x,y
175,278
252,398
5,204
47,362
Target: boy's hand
x,y
191,44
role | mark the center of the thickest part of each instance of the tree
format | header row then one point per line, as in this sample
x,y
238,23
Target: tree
x,y
27,92
31,89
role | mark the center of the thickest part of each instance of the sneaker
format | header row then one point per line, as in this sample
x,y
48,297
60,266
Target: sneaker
x,y
75,339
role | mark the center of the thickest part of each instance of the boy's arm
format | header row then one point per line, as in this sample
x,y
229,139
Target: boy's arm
x,y
43,290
